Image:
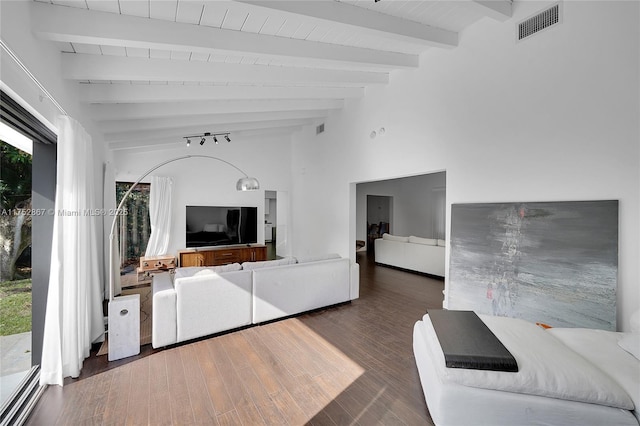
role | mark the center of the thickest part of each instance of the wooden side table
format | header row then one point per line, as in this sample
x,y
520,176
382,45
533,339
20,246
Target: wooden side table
x,y
152,264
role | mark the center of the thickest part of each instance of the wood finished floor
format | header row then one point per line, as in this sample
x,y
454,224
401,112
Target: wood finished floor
x,y
350,364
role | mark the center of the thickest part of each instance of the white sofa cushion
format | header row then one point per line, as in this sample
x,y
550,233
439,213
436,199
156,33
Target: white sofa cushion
x,y
191,271
395,238
213,303
288,290
250,266
317,258
421,240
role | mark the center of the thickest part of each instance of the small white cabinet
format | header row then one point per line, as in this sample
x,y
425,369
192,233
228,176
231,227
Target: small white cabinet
x,y
268,232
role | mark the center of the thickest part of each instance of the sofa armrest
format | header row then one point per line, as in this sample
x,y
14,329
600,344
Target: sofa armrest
x,y
164,316
354,281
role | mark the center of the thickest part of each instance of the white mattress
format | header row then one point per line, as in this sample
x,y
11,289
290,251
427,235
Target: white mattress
x,y
451,403
601,348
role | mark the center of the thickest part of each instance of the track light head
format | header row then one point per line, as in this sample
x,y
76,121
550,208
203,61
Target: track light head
x,y
227,138
215,139
202,141
188,142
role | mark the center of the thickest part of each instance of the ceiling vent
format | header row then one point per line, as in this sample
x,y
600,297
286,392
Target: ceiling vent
x,y
319,129
540,21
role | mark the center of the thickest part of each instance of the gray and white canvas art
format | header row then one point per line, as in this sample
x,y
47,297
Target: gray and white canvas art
x,y
549,262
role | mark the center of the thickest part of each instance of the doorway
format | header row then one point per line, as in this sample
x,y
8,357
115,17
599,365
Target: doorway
x,y
28,195
379,210
270,222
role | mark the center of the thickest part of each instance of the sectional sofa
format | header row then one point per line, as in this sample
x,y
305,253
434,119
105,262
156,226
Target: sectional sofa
x,y
424,255
199,301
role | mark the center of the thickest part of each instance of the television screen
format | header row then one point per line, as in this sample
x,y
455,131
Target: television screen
x,y
217,225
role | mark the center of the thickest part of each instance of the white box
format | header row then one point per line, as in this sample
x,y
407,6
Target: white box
x,y
124,327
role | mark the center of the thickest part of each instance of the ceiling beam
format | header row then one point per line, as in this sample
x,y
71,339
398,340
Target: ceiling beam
x,y
368,21
74,25
98,67
128,93
129,137
500,10
217,120
151,110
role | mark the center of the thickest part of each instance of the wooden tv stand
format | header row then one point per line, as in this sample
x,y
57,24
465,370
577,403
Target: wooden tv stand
x,y
215,256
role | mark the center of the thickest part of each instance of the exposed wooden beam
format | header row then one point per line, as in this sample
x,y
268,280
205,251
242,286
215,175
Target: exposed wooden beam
x,y
214,120
73,25
371,22
127,93
500,10
150,110
95,67
129,137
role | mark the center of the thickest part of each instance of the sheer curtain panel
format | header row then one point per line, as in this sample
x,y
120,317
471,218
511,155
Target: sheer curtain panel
x,y
73,318
160,215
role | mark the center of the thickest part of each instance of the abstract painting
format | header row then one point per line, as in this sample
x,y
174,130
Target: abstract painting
x,y
549,262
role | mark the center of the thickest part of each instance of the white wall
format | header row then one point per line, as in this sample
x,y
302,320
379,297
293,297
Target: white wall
x,y
413,203
206,182
551,118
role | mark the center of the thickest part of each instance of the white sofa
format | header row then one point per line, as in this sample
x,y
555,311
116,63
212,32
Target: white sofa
x,y
198,302
425,255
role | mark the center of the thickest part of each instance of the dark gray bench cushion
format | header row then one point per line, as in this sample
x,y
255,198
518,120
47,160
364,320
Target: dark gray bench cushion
x,y
468,343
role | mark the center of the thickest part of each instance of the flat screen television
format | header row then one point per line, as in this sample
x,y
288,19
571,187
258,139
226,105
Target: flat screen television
x,y
218,225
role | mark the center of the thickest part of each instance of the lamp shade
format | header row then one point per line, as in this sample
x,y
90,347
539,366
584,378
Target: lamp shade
x,y
248,184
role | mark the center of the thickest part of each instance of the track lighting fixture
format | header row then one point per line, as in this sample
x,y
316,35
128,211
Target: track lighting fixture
x,y
203,137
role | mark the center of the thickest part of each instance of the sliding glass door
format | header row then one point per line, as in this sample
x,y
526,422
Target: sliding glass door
x,y
15,267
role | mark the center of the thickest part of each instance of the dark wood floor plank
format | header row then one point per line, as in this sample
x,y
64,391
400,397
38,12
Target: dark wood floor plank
x,y
271,414
181,412
220,398
118,399
230,418
138,409
245,408
261,368
159,396
349,364
291,411
101,396
201,404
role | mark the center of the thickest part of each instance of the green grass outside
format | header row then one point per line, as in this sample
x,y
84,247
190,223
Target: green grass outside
x,y
15,307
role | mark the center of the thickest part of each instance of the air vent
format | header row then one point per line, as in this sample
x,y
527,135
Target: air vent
x,y
543,20
319,129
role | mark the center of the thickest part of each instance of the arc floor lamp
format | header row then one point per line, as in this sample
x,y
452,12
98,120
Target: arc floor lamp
x,y
124,311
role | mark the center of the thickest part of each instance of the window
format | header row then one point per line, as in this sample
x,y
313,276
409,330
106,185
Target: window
x,y
134,226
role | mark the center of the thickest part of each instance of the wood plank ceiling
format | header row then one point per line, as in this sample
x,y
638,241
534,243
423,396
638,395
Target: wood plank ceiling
x,y
153,71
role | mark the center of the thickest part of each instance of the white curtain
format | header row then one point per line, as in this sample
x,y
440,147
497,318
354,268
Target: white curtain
x,y
73,318
160,215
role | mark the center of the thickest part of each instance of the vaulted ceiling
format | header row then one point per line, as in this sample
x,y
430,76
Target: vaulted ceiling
x,y
153,71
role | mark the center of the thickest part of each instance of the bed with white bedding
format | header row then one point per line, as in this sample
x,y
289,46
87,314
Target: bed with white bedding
x,y
566,377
